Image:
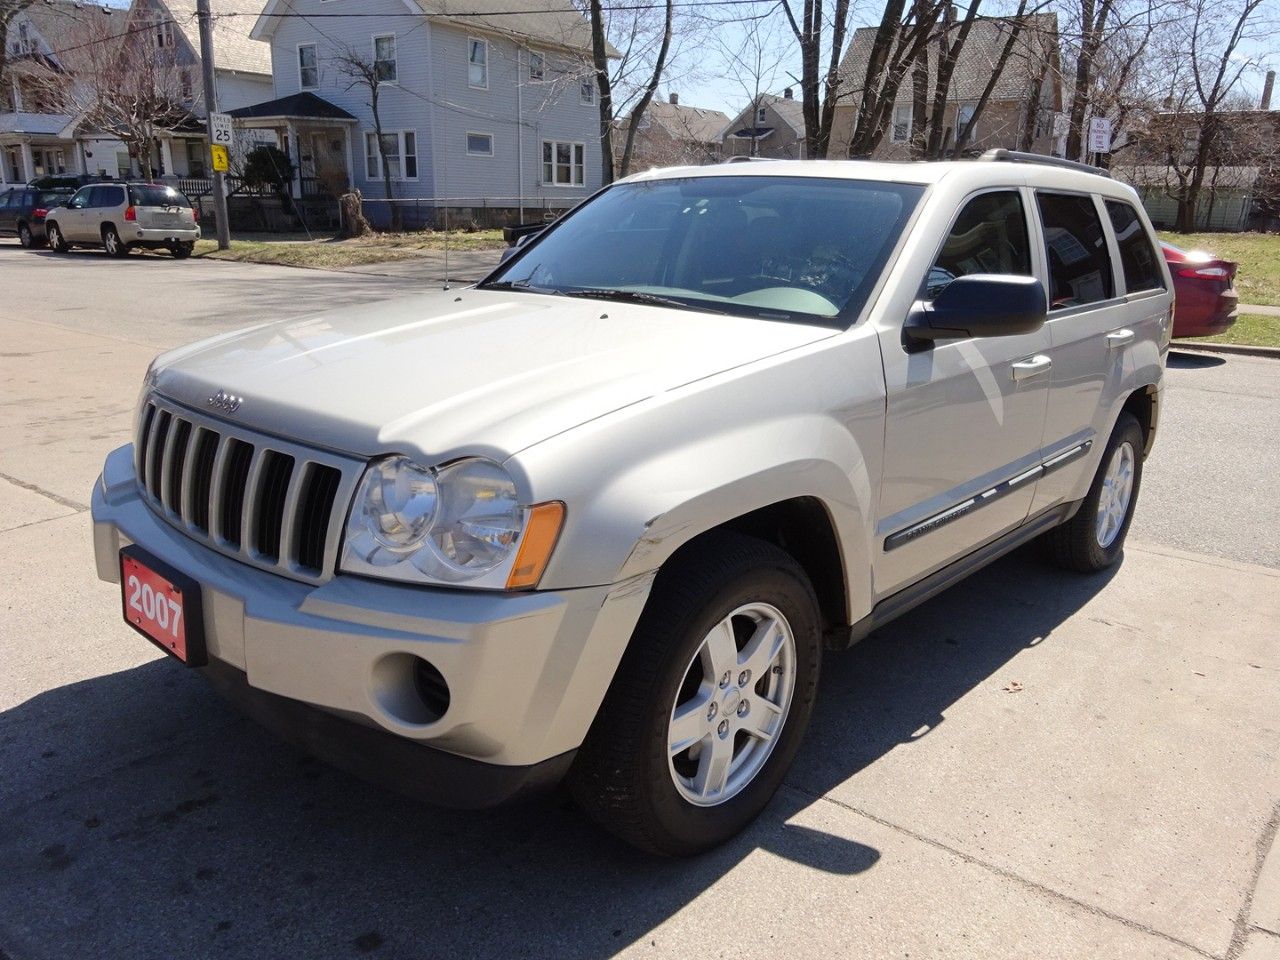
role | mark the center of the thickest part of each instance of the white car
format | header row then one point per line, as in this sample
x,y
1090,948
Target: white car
x,y
120,217
598,517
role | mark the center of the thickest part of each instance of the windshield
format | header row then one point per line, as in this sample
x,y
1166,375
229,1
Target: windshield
x,y
154,195
787,248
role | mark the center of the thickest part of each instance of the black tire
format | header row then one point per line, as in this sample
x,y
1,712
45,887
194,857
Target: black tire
x,y
57,241
24,236
181,251
621,776
1075,544
112,243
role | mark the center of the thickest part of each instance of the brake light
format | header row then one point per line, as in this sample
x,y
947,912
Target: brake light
x,y
131,213
39,213
1205,273
195,214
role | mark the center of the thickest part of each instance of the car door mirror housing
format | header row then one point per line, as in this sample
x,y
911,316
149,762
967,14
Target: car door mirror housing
x,y
979,305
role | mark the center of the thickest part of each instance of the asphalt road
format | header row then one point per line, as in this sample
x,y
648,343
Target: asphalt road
x,y
1031,765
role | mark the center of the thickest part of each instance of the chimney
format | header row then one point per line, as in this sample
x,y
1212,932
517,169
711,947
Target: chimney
x,y
675,99
1267,87
787,94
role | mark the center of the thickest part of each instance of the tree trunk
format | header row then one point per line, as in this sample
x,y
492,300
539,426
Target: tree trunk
x,y
1090,41
600,61
951,49
963,134
393,211
637,113
919,97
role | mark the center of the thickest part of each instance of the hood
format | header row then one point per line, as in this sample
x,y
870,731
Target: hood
x,y
469,371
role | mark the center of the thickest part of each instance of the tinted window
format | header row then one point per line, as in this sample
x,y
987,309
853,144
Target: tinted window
x,y
781,248
152,195
989,236
7,198
1079,263
81,198
51,198
1138,254
107,197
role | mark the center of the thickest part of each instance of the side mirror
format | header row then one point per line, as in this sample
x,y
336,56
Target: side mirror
x,y
521,240
980,305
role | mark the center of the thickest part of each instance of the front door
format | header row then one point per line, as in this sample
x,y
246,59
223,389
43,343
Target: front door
x,y
965,416
72,217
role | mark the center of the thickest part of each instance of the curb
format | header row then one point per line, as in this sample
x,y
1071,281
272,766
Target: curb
x,y
1240,349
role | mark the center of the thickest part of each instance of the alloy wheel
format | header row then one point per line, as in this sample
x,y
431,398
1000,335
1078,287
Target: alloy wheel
x,y
1115,495
732,704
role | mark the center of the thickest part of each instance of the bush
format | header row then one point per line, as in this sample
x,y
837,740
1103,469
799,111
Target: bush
x,y
268,166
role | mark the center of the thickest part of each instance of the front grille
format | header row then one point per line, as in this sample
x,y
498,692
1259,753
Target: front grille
x,y
265,501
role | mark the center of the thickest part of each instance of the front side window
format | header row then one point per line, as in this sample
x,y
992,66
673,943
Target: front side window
x,y
384,58
477,63
1138,256
902,123
989,236
802,249
308,67
81,199
1079,262
563,164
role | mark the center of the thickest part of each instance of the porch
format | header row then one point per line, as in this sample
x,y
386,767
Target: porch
x,y
313,133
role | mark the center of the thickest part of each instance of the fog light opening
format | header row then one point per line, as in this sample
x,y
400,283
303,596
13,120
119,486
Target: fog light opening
x,y
409,689
431,686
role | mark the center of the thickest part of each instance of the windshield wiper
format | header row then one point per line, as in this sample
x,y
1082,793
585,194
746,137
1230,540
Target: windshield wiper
x,y
635,296
516,285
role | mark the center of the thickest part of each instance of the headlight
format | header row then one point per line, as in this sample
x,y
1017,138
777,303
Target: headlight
x,y
460,523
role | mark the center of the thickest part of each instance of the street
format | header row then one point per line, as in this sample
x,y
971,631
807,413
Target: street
x,y
1030,765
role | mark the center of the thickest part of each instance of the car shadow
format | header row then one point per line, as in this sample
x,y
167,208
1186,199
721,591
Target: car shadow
x,y
1187,360
144,819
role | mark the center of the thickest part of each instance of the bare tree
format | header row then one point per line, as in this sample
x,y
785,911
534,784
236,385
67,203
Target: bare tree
x,y
1015,27
637,112
370,75
819,91
752,55
9,10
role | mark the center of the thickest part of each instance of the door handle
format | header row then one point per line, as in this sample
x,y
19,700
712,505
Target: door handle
x,y
1120,338
1030,367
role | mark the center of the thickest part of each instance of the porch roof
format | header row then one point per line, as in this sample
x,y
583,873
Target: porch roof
x,y
298,106
42,124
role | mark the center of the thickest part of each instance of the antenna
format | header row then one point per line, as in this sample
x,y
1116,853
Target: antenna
x,y
446,246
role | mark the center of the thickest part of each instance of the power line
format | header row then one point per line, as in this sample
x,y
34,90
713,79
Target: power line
x,y
621,8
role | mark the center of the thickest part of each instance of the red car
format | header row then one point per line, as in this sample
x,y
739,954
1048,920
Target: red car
x,y
1202,285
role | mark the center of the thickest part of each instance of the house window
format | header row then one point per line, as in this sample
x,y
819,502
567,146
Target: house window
x,y
164,34
537,66
965,127
309,66
478,63
587,90
902,123
401,148
384,58
762,116
195,158
188,89
563,164
480,144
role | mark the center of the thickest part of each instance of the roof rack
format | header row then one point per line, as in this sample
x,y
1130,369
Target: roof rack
x,y
1018,156
744,159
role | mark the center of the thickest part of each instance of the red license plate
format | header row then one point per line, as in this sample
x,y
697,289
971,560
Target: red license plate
x,y
163,605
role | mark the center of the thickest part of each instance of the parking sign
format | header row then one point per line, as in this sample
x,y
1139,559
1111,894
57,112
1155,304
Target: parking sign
x,y
1100,135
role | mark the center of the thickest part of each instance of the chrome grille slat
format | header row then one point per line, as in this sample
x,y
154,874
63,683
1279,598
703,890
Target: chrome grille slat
x,y
267,502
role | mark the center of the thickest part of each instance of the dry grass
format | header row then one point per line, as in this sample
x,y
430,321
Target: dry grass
x,y
1253,329
1258,279
333,254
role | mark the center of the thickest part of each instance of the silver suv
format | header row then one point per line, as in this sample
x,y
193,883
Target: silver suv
x,y
598,517
122,216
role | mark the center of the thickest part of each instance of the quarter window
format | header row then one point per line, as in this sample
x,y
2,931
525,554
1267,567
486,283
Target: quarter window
x,y
563,164
1076,247
1138,255
384,58
477,63
308,67
989,236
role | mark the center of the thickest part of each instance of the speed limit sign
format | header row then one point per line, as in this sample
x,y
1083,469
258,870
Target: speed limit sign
x,y
220,129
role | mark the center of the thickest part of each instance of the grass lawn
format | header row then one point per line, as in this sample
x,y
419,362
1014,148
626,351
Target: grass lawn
x,y
1252,329
1258,279
333,254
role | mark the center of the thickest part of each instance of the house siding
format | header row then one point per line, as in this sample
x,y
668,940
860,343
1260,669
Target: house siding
x,y
433,98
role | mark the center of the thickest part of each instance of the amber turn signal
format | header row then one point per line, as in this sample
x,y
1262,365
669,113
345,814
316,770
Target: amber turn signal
x,y
540,536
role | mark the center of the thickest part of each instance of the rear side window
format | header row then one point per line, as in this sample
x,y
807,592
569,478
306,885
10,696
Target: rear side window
x,y
1138,254
52,198
1079,262
152,195
989,236
7,198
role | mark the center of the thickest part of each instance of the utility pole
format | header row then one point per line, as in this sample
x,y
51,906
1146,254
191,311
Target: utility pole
x,y
210,108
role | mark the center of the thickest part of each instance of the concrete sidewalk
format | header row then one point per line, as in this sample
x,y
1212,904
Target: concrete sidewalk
x,y
464,266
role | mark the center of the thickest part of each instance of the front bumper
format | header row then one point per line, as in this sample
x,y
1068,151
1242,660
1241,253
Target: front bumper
x,y
526,671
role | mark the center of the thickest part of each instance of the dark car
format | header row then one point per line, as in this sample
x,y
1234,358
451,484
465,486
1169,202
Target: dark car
x,y
23,210
1204,288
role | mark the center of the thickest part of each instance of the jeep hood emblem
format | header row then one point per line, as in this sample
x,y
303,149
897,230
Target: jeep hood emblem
x,y
226,402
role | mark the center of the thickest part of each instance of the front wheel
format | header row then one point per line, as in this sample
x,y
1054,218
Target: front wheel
x,y
710,701
1093,539
57,242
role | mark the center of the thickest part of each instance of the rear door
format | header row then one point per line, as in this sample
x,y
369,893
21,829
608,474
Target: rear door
x,y
965,416
1094,321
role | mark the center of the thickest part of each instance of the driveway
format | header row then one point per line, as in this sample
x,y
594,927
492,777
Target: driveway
x,y
1031,765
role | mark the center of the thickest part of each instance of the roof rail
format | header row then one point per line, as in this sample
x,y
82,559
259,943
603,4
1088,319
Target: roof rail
x,y
1018,156
749,159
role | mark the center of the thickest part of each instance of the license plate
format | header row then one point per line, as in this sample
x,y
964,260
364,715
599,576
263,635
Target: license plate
x,y
163,605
